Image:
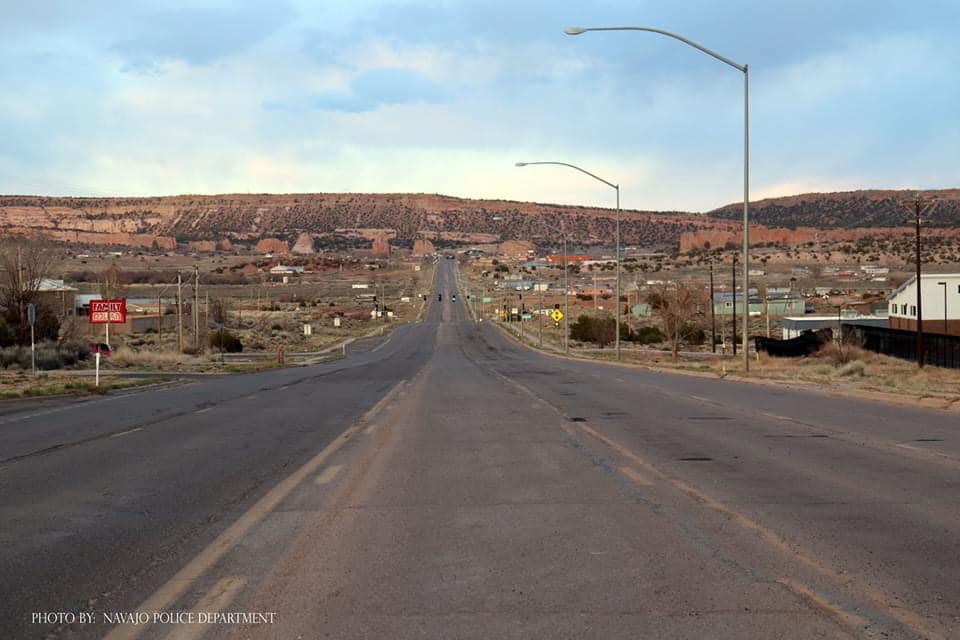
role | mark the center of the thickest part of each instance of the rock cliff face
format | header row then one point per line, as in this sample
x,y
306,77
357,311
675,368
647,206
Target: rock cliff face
x,y
272,223
331,219
381,245
844,210
272,245
304,245
423,247
720,237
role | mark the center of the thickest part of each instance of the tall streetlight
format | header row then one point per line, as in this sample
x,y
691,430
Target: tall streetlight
x,y
575,31
616,188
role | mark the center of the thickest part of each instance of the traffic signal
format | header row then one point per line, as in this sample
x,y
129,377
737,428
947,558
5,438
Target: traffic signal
x,y
556,306
439,297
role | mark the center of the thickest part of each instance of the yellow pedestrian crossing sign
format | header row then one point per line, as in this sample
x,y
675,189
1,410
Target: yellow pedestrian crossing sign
x,y
556,315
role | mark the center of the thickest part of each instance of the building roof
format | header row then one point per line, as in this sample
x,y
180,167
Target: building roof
x,y
909,282
49,284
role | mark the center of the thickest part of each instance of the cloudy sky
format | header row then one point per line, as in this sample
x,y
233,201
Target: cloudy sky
x,y
168,97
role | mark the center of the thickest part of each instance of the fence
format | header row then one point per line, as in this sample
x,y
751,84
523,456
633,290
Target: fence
x,y
938,350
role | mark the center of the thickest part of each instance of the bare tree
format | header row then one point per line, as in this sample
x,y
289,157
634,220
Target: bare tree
x,y
113,283
677,306
24,263
219,310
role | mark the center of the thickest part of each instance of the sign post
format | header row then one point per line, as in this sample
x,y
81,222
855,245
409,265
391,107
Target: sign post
x,y
32,319
107,312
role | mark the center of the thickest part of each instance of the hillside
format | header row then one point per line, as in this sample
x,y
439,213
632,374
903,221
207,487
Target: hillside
x,y
320,221
330,219
844,210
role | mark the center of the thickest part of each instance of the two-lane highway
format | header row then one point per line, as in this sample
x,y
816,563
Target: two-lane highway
x,y
451,483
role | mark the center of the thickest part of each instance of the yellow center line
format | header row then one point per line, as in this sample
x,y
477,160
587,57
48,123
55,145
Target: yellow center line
x,y
327,475
184,579
215,600
636,476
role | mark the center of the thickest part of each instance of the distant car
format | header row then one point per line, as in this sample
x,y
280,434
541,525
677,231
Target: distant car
x,y
101,347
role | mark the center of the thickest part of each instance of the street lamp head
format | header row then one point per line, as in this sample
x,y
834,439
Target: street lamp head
x,y
574,31
521,164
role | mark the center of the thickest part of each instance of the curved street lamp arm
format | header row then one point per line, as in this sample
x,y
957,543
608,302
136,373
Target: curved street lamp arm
x,y
575,31
573,166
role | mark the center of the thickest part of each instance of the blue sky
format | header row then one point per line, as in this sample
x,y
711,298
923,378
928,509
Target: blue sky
x,y
126,98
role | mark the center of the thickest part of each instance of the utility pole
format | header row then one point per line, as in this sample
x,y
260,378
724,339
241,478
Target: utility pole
x,y
919,206
521,306
766,308
566,291
540,314
596,291
733,294
196,307
179,312
713,314
159,320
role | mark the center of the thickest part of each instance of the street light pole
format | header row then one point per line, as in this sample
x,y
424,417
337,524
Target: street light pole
x,y
566,292
616,187
575,31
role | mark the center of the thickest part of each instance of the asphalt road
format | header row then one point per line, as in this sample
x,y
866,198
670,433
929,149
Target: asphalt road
x,y
447,483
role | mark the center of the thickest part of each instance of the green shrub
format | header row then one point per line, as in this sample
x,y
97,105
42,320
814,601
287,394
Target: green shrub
x,y
7,338
599,330
649,335
693,333
48,357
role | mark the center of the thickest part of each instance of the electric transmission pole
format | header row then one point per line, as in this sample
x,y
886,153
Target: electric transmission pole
x,y
919,206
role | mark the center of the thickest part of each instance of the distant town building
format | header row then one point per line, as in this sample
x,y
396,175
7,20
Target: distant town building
x,y
56,296
872,270
570,259
286,270
792,327
780,302
937,318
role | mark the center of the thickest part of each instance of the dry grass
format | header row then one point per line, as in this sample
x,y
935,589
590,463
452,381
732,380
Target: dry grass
x,y
126,358
26,385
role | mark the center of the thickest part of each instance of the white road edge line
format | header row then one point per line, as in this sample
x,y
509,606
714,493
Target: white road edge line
x,y
123,433
381,345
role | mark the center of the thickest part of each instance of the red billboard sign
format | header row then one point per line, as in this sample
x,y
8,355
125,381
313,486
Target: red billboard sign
x,y
108,311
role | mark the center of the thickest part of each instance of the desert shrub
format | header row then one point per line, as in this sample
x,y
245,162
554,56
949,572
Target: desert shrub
x,y
226,341
648,335
48,357
693,333
599,330
856,368
13,357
